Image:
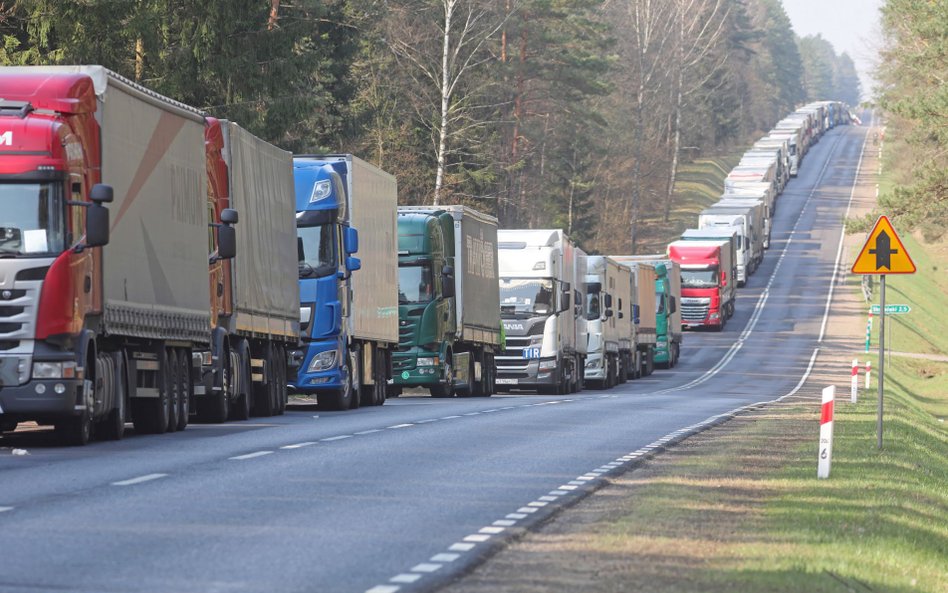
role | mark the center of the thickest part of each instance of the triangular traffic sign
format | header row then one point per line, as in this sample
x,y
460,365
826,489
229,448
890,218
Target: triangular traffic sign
x,y
883,252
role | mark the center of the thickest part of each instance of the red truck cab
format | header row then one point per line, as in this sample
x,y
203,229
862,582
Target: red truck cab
x,y
50,279
704,284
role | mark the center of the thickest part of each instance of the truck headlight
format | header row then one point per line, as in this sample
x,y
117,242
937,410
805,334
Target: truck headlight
x,y
54,370
547,365
427,361
321,190
323,361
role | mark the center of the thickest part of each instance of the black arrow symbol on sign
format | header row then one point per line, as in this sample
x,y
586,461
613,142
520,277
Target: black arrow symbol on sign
x,y
883,251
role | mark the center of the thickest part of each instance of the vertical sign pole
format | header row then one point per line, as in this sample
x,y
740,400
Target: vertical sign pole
x,y
854,382
868,331
826,432
881,359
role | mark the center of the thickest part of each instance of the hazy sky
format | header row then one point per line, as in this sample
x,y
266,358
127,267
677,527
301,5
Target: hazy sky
x,y
852,26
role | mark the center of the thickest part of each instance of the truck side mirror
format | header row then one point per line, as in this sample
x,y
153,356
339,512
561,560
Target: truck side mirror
x,y
608,313
351,240
607,300
97,225
101,194
353,263
673,304
448,289
566,302
635,314
226,242
229,216
447,271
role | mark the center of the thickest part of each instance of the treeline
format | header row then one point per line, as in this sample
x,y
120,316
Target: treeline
x,y
914,95
561,113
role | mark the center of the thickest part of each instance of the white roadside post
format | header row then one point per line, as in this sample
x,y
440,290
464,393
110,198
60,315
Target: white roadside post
x,y
868,372
854,382
826,432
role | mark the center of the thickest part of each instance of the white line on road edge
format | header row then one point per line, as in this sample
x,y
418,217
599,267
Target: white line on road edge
x,y
5,509
298,445
336,438
634,458
250,455
139,480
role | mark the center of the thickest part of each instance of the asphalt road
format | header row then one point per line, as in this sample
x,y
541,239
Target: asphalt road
x,y
408,496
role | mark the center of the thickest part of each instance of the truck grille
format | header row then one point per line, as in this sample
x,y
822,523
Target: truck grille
x,y
515,346
695,310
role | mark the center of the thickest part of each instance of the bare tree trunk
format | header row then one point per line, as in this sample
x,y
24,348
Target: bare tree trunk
x,y
445,100
139,59
274,15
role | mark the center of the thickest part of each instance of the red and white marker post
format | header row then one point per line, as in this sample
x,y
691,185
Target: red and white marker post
x,y
826,432
854,382
868,372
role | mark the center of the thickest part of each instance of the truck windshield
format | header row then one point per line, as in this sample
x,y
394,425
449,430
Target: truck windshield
x,y
593,308
316,248
32,219
528,296
699,278
414,283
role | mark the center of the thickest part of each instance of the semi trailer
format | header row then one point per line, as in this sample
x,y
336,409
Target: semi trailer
x,y
610,324
667,306
254,301
448,301
345,207
103,308
539,277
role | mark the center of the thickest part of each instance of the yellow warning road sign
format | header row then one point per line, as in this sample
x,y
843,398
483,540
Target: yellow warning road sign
x,y
883,252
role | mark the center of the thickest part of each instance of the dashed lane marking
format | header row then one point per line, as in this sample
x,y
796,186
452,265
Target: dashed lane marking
x,y
299,445
5,509
335,438
370,431
405,577
401,425
445,557
426,567
250,455
133,481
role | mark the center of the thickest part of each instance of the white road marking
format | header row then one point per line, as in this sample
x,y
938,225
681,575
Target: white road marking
x,y
426,421
471,414
337,438
426,567
517,516
383,589
527,510
449,417
558,492
476,537
567,487
370,431
405,577
548,498
299,445
5,509
537,504
400,426
445,557
138,480
491,530
461,547
504,522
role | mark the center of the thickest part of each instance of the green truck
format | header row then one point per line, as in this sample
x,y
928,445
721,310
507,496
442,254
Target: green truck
x,y
667,301
448,301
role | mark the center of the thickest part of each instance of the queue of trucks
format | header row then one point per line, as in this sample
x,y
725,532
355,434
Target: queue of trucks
x,y
158,266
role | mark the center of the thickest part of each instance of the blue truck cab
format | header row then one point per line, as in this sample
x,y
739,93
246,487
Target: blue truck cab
x,y
326,245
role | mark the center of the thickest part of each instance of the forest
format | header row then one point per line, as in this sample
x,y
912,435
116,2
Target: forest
x,y
546,113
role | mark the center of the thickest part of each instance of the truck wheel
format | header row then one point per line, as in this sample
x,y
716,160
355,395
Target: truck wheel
x,y
184,388
470,390
448,389
240,385
170,374
112,428
77,431
281,380
338,400
150,415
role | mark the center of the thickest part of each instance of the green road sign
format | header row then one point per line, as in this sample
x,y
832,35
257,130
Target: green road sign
x,y
891,309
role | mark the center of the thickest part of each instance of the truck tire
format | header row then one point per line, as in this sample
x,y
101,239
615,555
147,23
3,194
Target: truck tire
x,y
242,385
170,374
150,415
446,390
77,431
340,399
112,427
184,388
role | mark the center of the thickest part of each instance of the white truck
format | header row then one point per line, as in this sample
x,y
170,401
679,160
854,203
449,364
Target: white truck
x,y
753,211
792,131
761,205
782,145
609,300
749,236
764,172
764,156
538,273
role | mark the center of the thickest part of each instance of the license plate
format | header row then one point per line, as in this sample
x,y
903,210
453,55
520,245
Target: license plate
x,y
531,353
505,381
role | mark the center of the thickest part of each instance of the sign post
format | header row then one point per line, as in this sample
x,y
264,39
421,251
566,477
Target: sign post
x,y
826,432
883,254
854,382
